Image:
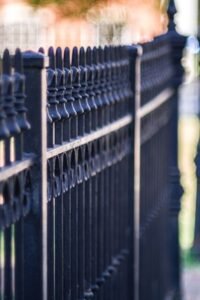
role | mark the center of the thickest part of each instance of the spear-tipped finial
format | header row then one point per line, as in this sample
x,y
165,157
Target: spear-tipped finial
x,y
6,62
18,61
82,57
75,57
95,56
101,55
107,53
51,55
41,50
67,58
171,13
59,60
89,56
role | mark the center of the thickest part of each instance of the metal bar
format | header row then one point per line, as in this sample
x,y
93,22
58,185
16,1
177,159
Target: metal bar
x,y
153,55
137,161
16,168
90,137
154,103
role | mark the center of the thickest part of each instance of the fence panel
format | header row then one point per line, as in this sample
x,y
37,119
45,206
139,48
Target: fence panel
x,y
89,169
89,183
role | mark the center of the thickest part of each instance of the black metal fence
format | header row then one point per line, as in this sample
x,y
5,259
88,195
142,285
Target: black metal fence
x,y
87,207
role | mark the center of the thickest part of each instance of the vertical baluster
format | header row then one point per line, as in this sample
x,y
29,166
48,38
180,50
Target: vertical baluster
x,y
24,125
59,130
98,176
119,83
81,223
96,207
4,131
103,86
90,86
58,195
88,225
70,125
108,237
76,92
96,89
9,107
116,97
126,86
108,84
19,92
106,208
53,118
101,279
74,227
53,114
83,90
51,235
59,137
111,268
94,217
67,225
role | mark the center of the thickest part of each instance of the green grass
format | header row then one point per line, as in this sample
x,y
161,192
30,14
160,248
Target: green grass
x,y
188,139
189,260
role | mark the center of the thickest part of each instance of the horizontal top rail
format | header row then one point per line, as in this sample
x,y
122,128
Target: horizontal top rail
x,y
154,54
90,137
16,168
155,103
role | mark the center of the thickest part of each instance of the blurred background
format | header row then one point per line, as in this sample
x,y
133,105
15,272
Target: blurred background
x,y
33,23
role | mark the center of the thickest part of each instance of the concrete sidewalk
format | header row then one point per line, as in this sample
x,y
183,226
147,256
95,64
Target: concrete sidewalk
x,y
191,283
189,106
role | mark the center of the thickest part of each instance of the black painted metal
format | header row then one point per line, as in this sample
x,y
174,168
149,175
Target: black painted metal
x,y
85,203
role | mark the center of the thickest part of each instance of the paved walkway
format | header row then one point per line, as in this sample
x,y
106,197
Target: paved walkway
x,y
189,98
191,283
189,106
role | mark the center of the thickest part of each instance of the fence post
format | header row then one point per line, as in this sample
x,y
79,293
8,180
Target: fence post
x,y
35,226
135,53
177,42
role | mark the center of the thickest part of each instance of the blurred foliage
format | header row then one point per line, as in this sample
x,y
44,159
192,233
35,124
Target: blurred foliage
x,y
80,7
67,7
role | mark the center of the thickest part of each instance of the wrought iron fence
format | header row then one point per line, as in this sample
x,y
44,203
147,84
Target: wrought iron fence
x,y
87,208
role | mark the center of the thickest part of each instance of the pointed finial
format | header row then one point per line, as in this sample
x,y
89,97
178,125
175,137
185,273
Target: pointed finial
x,y
75,57
101,55
67,58
171,13
6,62
82,57
41,50
95,58
18,61
59,60
107,53
52,60
89,56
